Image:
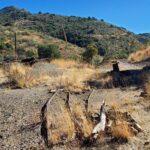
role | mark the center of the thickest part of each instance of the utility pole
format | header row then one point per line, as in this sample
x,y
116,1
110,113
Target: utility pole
x,y
65,36
15,50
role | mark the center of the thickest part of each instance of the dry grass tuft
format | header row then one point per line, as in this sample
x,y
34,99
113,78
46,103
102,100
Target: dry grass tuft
x,y
73,79
62,63
122,131
140,55
2,74
62,127
120,128
22,76
85,125
75,75
65,126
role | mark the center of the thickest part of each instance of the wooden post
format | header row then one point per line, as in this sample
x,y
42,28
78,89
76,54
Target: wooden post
x,y
65,36
15,51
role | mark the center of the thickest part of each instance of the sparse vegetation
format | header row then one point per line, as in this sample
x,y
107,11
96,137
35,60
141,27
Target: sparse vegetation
x,y
22,76
74,78
48,51
120,129
74,75
122,132
62,63
2,74
109,39
140,55
28,42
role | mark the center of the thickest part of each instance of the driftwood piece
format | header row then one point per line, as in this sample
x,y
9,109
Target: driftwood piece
x,y
101,125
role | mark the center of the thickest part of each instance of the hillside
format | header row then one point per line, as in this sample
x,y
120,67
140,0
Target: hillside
x,y
144,38
112,41
28,42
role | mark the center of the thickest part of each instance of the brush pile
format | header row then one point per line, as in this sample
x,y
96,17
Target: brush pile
x,y
67,119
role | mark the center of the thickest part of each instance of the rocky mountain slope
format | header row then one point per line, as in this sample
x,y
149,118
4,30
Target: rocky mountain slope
x,y
112,41
28,42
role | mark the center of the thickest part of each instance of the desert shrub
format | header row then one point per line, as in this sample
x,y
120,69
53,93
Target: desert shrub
x,y
2,46
31,53
90,52
1,58
9,58
22,76
8,46
48,51
20,51
97,60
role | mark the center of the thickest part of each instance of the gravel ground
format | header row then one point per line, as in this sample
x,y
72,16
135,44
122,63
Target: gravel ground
x,y
19,113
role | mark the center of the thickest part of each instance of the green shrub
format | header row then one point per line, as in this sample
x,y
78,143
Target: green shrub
x,y
48,51
1,58
9,58
90,52
97,60
20,51
31,53
8,46
2,46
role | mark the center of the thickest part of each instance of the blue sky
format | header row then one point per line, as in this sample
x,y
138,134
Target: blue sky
x,y
131,14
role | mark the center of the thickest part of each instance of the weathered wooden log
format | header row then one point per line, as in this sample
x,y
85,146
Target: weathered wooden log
x,y
57,124
87,100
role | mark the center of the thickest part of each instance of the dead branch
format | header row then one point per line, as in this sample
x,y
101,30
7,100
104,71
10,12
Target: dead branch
x,y
101,125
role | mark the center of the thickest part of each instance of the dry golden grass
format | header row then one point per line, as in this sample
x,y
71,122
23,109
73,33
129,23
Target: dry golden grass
x,y
2,74
62,127
140,55
85,125
73,79
147,87
75,75
120,127
68,124
122,131
22,76
62,63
